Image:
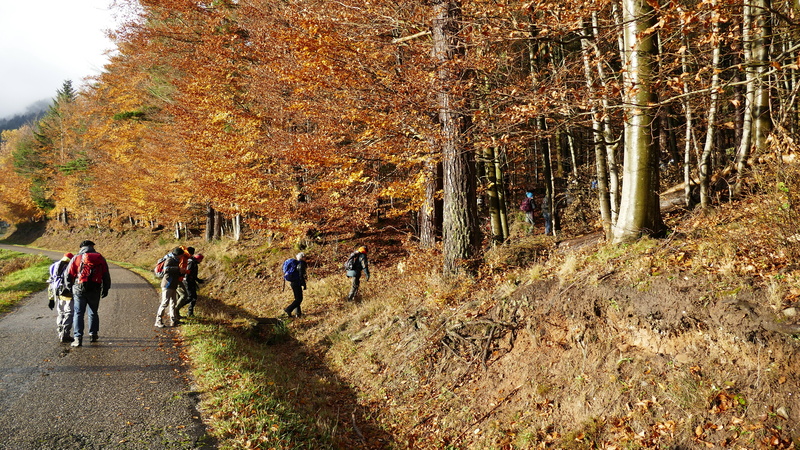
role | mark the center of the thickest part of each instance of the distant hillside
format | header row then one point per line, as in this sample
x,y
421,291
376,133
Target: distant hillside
x,y
32,113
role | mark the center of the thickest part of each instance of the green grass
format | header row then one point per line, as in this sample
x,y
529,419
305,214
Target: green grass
x,y
252,397
20,276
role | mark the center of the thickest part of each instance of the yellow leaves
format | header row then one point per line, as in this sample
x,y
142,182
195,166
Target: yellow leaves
x,y
220,116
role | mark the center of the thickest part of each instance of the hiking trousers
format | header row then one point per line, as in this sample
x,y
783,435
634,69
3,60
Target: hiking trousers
x,y
297,290
86,299
64,318
169,299
355,286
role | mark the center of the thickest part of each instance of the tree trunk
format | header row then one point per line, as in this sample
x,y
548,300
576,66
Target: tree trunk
x,y
549,182
601,163
762,118
495,195
210,215
460,231
217,234
688,117
237,227
705,160
640,210
430,213
608,140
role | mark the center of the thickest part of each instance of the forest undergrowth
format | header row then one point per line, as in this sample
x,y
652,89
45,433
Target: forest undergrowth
x,y
681,342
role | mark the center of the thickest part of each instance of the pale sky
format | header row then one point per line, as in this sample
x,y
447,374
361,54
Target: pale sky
x,y
45,42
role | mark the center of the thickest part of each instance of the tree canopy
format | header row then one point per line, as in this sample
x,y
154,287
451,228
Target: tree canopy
x,y
313,116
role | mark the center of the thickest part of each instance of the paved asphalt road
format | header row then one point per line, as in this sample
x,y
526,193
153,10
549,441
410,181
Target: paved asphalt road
x,y
126,391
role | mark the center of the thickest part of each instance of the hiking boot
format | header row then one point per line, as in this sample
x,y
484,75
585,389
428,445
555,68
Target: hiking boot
x,y
159,324
66,338
76,343
174,322
93,337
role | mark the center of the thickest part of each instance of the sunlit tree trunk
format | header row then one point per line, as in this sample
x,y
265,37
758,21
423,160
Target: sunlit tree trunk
x,y
705,159
601,163
611,144
689,119
237,227
494,195
460,226
430,212
640,210
745,142
762,118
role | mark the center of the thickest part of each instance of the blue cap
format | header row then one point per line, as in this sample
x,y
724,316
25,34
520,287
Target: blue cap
x,y
529,194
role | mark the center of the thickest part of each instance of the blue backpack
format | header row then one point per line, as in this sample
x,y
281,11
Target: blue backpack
x,y
291,271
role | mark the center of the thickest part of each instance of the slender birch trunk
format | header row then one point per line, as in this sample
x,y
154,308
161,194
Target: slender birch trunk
x,y
704,164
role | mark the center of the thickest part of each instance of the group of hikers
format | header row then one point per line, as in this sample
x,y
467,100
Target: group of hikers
x,y
294,271
528,206
78,282
178,271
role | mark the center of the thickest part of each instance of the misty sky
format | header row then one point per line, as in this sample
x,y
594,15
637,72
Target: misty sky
x,y
45,42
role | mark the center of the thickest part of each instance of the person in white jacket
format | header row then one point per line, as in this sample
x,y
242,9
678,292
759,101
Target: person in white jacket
x,y
61,298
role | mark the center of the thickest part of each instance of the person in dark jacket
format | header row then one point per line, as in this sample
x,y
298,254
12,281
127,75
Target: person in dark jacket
x,y
297,281
169,289
88,276
357,263
191,279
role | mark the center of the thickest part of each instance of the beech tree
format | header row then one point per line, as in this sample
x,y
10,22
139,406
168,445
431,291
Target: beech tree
x,y
640,207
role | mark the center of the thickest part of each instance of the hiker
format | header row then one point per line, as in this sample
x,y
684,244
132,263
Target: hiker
x,y
191,280
61,298
356,263
528,205
294,271
88,276
169,288
182,295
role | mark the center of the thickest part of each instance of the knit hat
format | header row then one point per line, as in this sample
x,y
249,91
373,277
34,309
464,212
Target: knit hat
x,y
300,256
529,194
362,249
198,257
67,256
87,243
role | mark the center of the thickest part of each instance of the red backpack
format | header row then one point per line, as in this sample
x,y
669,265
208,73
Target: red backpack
x,y
91,268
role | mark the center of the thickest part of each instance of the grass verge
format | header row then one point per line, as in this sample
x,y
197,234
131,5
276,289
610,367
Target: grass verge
x,y
250,392
20,276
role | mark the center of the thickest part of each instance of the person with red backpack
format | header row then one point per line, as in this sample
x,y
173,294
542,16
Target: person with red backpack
x,y
89,279
528,206
171,279
294,271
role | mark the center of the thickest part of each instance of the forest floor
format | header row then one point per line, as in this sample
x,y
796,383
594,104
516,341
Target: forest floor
x,y
682,342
